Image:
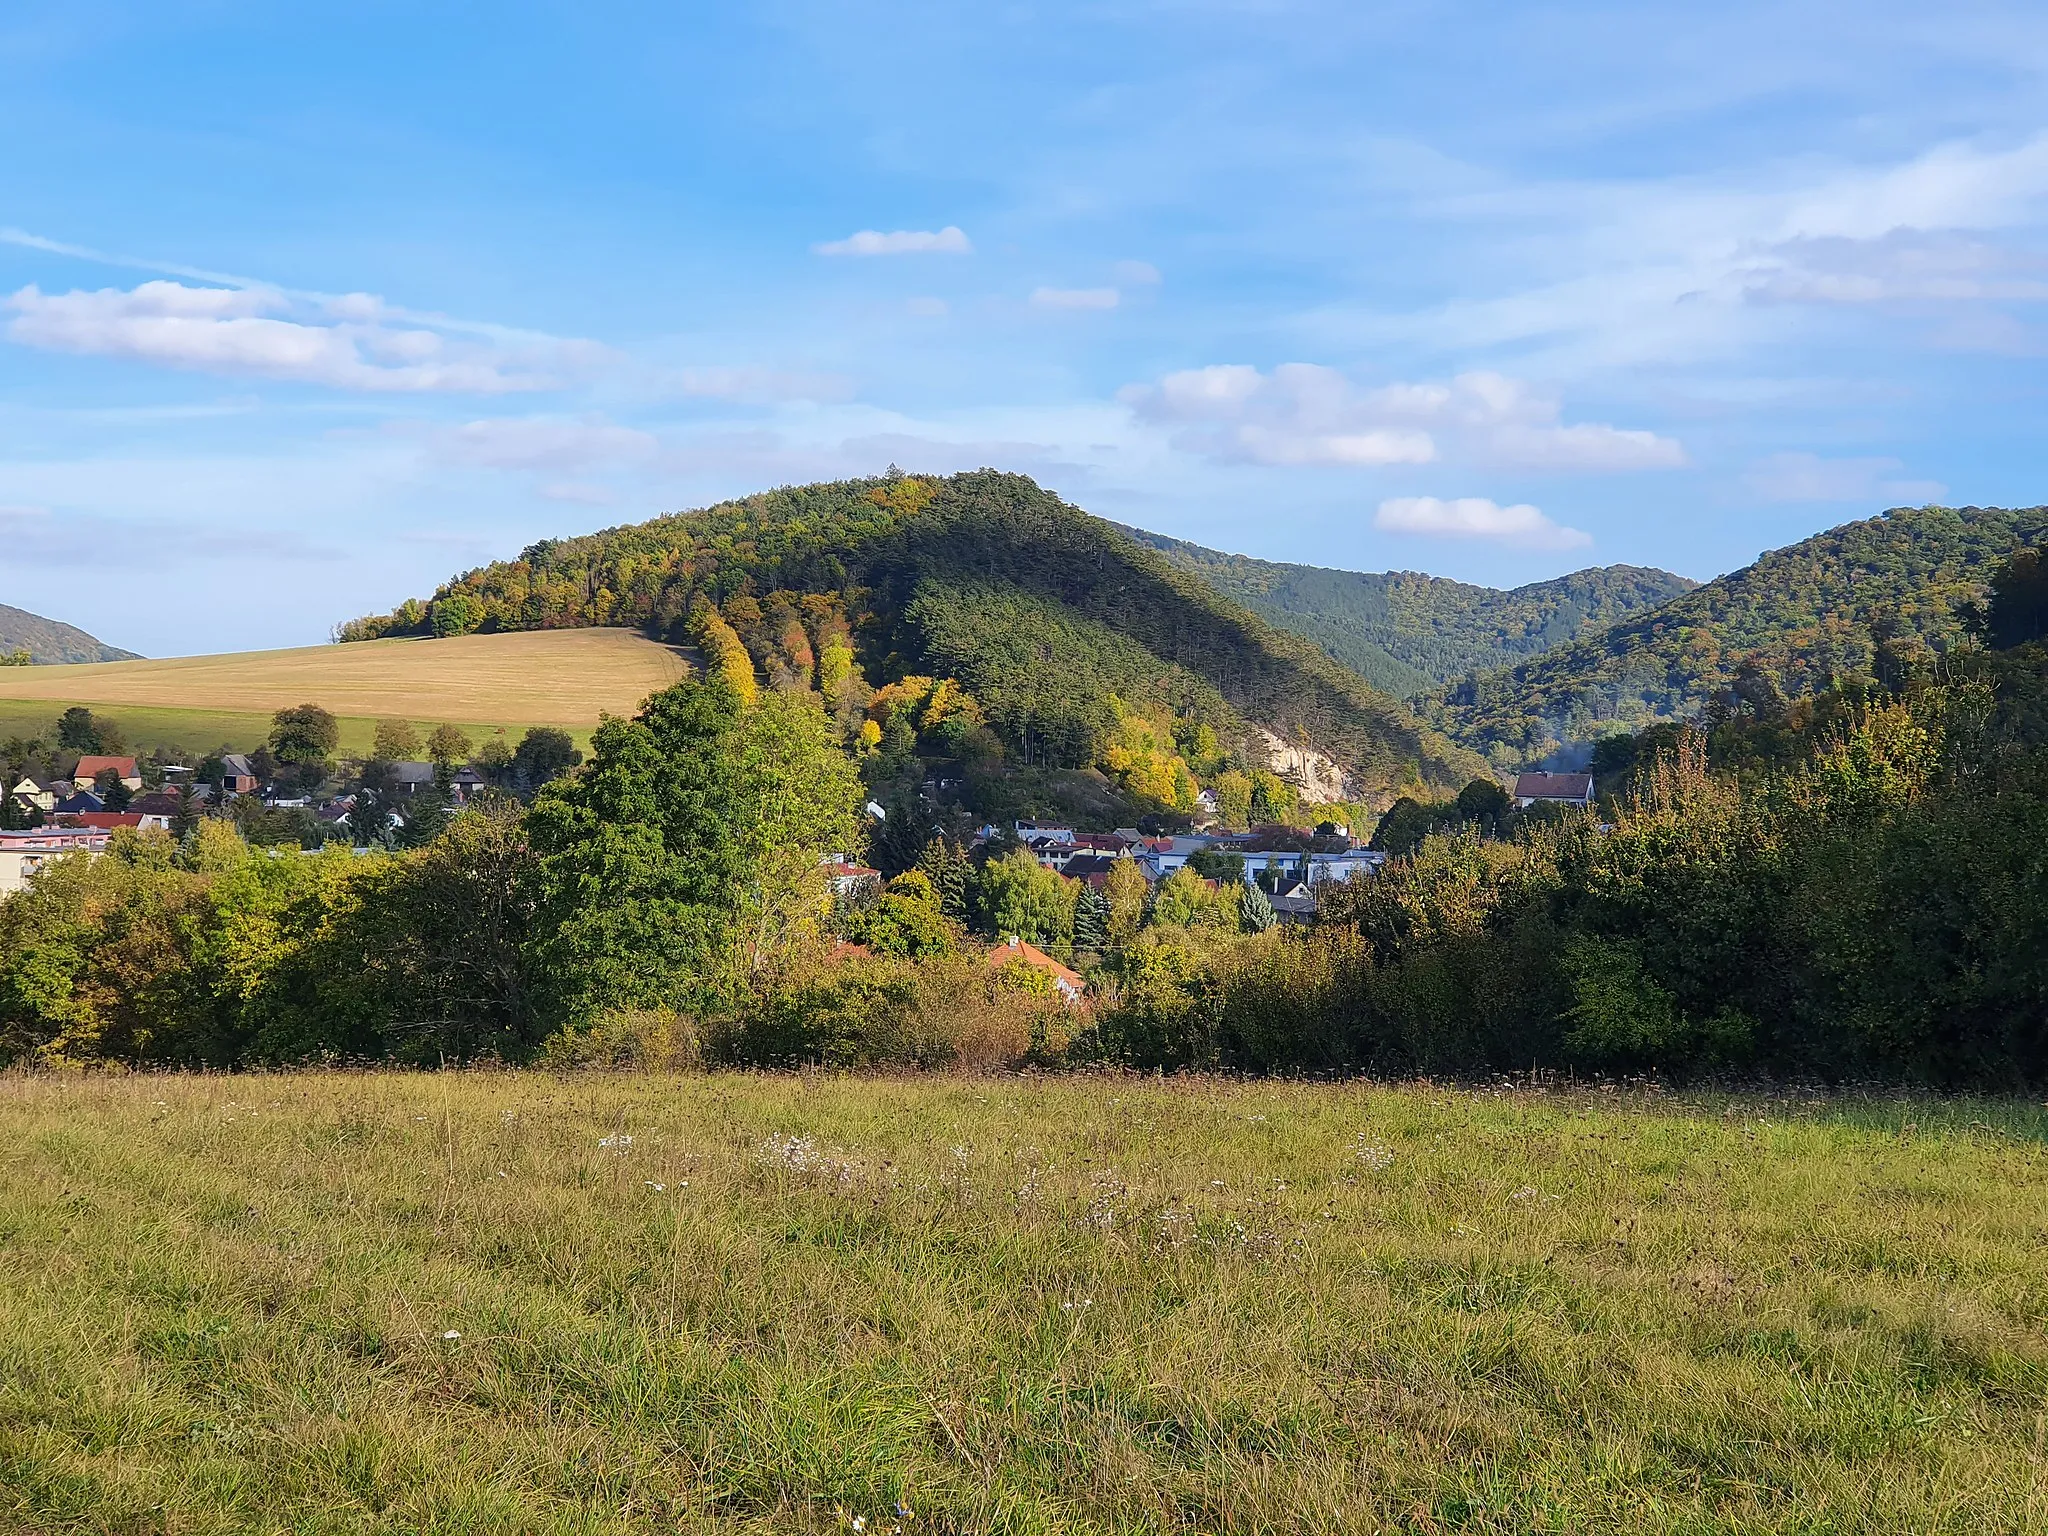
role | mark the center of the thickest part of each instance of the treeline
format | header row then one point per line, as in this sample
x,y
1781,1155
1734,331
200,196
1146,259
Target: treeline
x,y
1876,598
679,871
1851,885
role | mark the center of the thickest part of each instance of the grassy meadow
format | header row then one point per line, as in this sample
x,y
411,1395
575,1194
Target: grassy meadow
x,y
565,678
503,1302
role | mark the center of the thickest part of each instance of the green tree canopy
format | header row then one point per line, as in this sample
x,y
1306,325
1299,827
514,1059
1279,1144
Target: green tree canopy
x,y
686,857
304,733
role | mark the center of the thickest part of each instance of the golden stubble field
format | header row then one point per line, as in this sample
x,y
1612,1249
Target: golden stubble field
x,y
564,677
515,1302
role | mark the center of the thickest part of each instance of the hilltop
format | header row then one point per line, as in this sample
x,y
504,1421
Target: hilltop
x,y
1081,648
1408,633
1884,592
49,642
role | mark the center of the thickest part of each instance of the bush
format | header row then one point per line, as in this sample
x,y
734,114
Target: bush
x,y
634,1039
884,1011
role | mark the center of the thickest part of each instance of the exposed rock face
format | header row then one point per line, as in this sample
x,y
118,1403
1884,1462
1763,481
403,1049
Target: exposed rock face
x,y
1315,774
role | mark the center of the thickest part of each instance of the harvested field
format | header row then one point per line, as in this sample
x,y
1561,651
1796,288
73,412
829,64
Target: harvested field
x,y
565,677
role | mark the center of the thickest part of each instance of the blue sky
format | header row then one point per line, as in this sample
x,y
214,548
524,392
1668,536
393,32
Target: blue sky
x,y
303,308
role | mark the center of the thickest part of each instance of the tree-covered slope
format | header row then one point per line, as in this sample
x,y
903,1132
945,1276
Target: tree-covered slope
x,y
49,642
1057,622
1408,633
1852,601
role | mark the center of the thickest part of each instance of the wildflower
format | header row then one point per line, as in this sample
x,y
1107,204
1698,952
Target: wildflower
x,y
1373,1155
1526,1192
657,1188
860,1522
616,1143
450,1336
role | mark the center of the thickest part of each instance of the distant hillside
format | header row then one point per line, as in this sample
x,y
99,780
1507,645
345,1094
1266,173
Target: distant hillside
x,y
49,642
1408,633
1062,628
1835,605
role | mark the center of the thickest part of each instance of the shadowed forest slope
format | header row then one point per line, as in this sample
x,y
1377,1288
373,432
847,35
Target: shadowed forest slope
x,y
1407,633
1863,599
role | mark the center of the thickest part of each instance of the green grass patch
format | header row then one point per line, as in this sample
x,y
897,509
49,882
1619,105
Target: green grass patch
x,y
503,1302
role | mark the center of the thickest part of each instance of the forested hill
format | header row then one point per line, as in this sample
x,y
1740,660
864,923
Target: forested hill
x,y
48,641
1884,593
1408,633
1062,629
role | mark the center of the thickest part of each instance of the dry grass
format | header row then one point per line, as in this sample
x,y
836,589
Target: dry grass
x,y
495,1302
565,677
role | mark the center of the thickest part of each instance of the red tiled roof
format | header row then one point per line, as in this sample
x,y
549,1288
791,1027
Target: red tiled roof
x,y
90,768
1031,955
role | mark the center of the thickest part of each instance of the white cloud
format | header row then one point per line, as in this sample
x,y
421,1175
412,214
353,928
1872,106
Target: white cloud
x,y
238,332
1476,517
950,241
1137,272
1076,298
1303,413
539,442
1808,477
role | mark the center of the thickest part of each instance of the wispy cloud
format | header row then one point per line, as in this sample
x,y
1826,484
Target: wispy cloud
x,y
1303,413
265,333
950,241
1076,298
541,442
1476,517
1800,477
36,536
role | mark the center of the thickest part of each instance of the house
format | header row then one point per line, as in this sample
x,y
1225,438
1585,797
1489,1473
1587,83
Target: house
x,y
156,810
1029,831
237,776
23,853
847,878
1066,981
465,782
90,768
107,821
40,793
1091,869
79,803
1294,905
1553,789
1051,852
411,778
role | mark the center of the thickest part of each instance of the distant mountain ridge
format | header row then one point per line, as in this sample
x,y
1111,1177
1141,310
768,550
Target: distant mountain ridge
x,y
1884,591
49,642
1409,633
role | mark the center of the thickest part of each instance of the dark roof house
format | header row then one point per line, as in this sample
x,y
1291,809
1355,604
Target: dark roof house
x,y
1554,788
